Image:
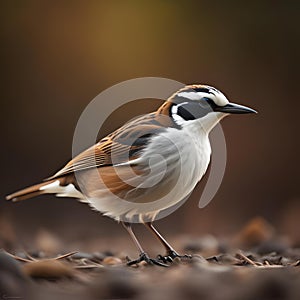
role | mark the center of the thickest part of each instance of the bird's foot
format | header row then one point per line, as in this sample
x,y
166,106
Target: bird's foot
x,y
171,255
144,257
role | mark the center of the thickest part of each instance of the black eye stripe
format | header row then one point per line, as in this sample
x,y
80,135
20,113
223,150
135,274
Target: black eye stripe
x,y
194,110
185,114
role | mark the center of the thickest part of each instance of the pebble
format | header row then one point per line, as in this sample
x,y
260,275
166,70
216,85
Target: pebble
x,y
48,269
112,260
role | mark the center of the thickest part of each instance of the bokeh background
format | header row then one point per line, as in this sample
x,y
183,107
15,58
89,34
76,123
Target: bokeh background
x,y
56,56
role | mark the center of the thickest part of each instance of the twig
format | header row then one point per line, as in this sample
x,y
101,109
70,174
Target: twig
x,y
247,259
65,255
17,257
88,266
31,259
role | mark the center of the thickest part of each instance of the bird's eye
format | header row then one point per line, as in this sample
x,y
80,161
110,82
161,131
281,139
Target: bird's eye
x,y
209,101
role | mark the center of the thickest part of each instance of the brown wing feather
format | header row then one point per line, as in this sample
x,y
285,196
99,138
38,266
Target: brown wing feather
x,y
95,156
125,143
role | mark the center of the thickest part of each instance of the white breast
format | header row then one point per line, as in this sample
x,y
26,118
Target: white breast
x,y
197,151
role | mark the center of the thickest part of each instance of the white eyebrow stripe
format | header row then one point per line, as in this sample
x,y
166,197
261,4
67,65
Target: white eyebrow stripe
x,y
195,95
219,99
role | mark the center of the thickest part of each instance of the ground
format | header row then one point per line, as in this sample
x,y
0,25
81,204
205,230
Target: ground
x,y
264,266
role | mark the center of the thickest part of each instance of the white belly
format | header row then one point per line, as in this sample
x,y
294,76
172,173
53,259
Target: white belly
x,y
184,158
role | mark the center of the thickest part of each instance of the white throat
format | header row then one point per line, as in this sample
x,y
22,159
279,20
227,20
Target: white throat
x,y
206,123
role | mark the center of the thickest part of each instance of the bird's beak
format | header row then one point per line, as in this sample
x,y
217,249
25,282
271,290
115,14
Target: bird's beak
x,y
232,108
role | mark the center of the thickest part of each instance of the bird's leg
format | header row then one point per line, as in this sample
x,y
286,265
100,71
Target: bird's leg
x,y
143,255
170,252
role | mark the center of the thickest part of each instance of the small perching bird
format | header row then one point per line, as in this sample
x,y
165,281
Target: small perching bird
x,y
148,166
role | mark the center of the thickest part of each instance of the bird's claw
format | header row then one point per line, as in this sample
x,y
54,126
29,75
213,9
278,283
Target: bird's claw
x,y
171,255
144,257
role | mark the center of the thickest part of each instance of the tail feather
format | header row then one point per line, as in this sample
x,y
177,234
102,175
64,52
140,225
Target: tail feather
x,y
29,192
61,187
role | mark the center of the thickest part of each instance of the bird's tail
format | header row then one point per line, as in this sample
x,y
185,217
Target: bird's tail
x,y
32,191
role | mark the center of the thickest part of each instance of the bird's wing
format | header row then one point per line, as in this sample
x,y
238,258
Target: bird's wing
x,y
121,146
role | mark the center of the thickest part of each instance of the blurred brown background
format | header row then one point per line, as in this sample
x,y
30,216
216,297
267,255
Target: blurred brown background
x,y
58,55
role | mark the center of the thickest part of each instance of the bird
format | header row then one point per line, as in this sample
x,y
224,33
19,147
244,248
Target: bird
x,y
147,167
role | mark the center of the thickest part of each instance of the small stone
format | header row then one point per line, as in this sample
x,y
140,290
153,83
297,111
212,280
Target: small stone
x,y
48,269
112,260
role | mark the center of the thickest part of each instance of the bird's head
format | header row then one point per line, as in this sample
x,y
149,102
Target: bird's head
x,y
202,103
